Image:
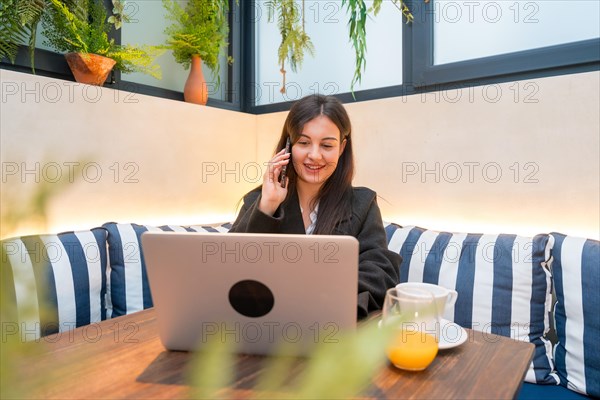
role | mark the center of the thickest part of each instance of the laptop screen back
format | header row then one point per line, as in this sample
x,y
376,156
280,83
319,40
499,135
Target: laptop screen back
x,y
257,291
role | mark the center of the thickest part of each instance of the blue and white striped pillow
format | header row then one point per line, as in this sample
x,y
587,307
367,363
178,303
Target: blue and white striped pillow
x,y
54,283
576,271
128,288
502,282
390,229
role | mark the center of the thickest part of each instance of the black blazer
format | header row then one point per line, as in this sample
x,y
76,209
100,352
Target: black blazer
x,y
378,267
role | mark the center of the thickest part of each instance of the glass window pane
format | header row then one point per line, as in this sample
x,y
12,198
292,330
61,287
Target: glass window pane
x,y
331,69
465,30
147,27
40,39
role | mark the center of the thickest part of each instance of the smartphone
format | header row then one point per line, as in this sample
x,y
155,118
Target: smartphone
x,y
288,145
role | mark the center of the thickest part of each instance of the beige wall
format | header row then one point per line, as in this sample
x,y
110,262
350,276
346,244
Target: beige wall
x,y
159,147
192,164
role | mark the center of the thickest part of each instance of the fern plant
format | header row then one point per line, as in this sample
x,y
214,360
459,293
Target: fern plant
x,y
18,26
82,26
200,29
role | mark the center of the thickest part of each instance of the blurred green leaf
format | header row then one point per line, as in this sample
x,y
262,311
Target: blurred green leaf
x,y
332,370
24,207
212,369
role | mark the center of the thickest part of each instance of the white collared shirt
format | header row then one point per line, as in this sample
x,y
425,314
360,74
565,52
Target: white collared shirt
x,y
313,219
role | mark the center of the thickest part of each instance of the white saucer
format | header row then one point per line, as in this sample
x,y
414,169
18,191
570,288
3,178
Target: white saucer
x,y
451,334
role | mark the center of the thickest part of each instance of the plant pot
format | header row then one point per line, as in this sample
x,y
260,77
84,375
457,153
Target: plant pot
x,y
90,68
195,89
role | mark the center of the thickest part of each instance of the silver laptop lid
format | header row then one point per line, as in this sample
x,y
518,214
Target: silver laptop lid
x,y
258,291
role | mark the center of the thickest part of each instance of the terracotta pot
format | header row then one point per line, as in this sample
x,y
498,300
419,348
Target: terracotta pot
x,y
195,89
90,68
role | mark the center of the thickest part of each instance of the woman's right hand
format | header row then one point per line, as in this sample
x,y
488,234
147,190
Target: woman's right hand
x,y
272,192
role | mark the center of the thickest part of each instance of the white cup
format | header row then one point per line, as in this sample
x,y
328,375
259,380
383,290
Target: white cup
x,y
444,298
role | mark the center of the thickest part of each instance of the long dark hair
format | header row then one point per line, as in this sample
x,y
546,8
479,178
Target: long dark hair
x,y
335,196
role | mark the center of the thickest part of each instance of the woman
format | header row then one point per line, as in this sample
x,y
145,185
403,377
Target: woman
x,y
316,195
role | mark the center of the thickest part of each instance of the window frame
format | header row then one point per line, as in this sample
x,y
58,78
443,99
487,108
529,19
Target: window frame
x,y
54,65
232,71
48,63
419,74
359,95
426,73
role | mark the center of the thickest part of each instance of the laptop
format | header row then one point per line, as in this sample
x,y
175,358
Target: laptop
x,y
263,293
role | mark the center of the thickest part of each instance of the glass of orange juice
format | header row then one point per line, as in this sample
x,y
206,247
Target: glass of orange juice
x,y
411,316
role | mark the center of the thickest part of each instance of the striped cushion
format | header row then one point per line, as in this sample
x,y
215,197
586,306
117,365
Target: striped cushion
x,y
54,283
576,270
502,282
128,289
390,229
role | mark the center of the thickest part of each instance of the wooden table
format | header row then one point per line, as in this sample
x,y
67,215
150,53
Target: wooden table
x,y
124,358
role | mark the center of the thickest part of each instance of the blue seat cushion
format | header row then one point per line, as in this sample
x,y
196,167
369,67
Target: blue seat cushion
x,y
531,391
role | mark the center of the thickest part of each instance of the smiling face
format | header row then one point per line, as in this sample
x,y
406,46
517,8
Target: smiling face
x,y
316,153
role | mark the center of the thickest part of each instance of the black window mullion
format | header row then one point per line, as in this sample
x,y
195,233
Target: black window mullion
x,y
234,71
422,41
115,75
408,46
247,81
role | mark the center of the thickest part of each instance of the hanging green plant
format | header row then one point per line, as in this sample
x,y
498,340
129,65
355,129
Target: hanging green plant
x,y
295,41
358,12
